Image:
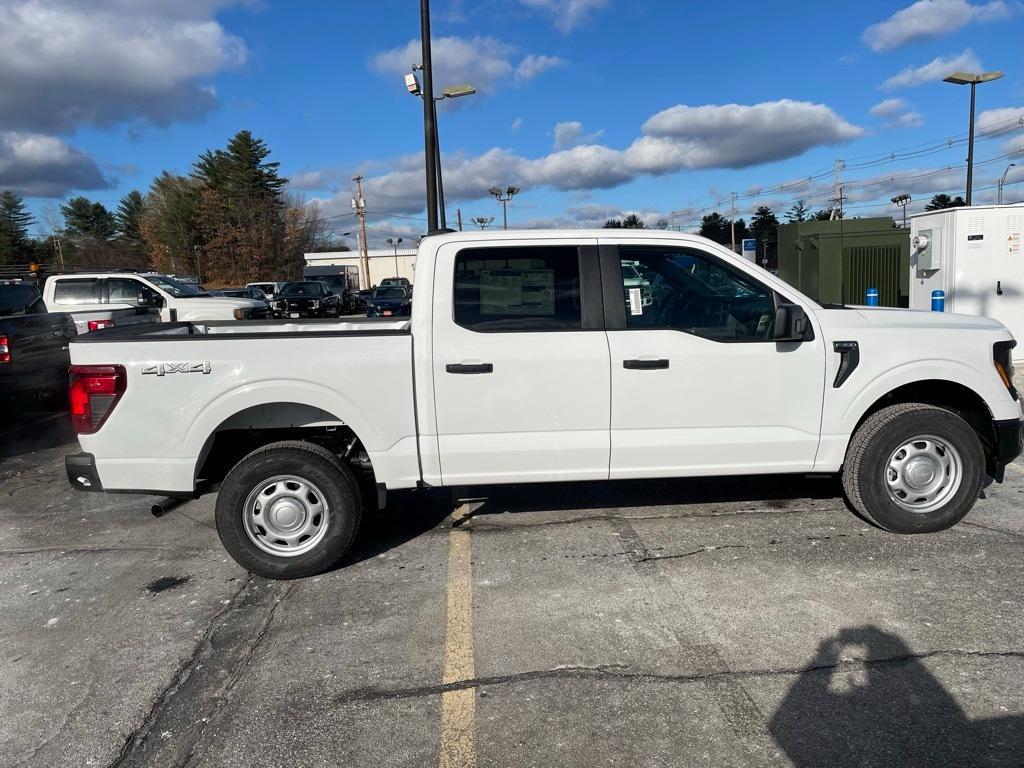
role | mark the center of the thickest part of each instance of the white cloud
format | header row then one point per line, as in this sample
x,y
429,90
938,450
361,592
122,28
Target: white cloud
x,y
69,64
570,134
36,165
516,125
896,113
535,63
928,20
680,138
936,69
567,14
484,62
737,135
1008,121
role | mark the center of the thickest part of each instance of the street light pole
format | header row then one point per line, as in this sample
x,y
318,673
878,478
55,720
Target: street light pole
x,y
971,79
429,126
503,197
902,201
1002,181
395,243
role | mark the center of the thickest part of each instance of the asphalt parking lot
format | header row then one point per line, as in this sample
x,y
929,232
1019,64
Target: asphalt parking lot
x,y
739,622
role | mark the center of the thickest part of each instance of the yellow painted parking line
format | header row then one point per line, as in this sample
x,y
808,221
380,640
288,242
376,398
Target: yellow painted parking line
x,y
458,707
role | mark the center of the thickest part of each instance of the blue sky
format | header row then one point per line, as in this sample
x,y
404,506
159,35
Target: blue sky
x,y
594,107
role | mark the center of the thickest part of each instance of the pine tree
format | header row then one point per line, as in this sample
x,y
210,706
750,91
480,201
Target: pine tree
x,y
797,212
84,218
129,220
15,244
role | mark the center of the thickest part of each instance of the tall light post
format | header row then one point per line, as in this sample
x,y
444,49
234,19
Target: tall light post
x,y
429,125
483,221
395,243
412,84
971,79
1002,181
503,197
901,201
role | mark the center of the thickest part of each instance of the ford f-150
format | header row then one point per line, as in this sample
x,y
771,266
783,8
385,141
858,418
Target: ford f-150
x,y
533,357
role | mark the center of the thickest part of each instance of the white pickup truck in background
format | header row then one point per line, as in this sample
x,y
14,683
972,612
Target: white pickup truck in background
x,y
535,357
83,292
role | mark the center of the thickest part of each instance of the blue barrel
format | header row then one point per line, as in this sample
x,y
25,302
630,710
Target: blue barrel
x,y
872,297
938,301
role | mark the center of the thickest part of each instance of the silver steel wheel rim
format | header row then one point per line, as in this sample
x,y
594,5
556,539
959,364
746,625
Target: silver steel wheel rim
x,y
285,516
923,474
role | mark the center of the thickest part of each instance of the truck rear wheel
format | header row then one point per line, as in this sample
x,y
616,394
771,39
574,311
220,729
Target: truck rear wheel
x,y
914,468
288,510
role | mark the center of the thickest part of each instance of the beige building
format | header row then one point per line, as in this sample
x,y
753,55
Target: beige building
x,y
383,263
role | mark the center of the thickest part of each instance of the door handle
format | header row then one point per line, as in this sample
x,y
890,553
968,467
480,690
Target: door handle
x,y
469,368
644,365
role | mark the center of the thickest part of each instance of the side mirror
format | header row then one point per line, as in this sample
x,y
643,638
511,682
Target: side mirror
x,y
792,323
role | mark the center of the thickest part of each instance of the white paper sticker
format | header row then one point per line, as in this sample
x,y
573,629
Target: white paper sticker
x,y
635,303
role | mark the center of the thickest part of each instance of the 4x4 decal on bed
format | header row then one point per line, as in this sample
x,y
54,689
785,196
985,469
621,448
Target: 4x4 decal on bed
x,y
161,369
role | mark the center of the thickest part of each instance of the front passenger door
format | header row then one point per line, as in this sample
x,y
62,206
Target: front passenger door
x,y
699,385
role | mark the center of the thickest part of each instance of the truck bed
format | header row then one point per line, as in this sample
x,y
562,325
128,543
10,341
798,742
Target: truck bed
x,y
270,374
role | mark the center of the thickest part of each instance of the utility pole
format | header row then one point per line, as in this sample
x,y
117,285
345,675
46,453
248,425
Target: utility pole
x,y
359,206
837,193
429,126
732,218
458,216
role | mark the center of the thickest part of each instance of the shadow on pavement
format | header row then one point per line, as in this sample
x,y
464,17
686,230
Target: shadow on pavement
x,y
776,491
36,430
885,710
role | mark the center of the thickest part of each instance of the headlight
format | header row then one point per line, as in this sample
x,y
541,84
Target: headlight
x,y
239,314
316,303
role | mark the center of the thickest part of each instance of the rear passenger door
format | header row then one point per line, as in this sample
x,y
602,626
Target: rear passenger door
x,y
76,294
520,362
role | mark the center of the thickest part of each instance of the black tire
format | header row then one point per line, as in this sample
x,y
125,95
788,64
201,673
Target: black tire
x,y
875,441
312,463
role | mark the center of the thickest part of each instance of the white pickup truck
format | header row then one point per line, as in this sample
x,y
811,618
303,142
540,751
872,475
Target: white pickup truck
x,y
532,357
81,292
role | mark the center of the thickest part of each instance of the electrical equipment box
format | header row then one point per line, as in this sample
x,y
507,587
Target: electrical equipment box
x,y
975,255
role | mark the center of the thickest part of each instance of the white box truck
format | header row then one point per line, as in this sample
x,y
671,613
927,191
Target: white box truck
x,y
976,256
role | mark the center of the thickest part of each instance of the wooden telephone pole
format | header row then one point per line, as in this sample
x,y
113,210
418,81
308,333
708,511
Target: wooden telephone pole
x,y
359,206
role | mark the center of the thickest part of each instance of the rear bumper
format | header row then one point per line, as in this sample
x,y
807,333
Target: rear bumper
x,y
81,469
1009,443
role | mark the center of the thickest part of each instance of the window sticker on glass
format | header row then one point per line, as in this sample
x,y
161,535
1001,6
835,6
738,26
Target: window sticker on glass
x,y
517,293
635,305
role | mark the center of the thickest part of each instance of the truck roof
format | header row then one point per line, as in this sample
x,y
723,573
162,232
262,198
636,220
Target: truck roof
x,y
565,234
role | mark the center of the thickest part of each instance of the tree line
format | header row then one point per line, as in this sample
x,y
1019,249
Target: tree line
x,y
229,221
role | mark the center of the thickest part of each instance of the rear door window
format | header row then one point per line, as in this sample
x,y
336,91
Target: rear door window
x,y
523,288
77,291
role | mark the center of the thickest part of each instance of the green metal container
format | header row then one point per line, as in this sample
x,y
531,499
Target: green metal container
x,y
835,262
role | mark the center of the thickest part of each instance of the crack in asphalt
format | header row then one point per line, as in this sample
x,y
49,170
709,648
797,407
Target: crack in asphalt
x,y
139,734
989,528
619,672
701,551
240,669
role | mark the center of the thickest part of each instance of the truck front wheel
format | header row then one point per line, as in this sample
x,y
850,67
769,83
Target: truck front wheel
x,y
288,510
914,468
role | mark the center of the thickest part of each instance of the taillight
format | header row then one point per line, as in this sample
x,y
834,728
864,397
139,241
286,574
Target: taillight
x,y
93,392
95,325
5,350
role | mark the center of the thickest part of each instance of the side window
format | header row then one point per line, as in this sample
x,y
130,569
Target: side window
x,y
518,289
124,290
690,291
82,291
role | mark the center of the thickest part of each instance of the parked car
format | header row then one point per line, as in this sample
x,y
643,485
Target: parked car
x,y
522,364
632,280
270,289
402,281
389,301
33,346
174,301
309,298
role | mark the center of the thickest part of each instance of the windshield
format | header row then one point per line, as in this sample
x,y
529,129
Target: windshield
x,y
390,292
629,272
16,298
302,289
173,287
